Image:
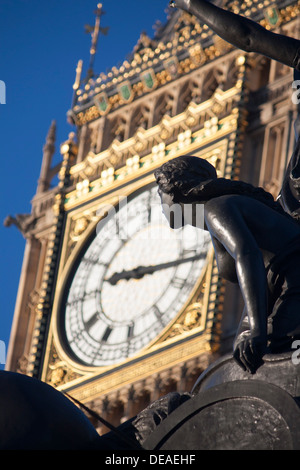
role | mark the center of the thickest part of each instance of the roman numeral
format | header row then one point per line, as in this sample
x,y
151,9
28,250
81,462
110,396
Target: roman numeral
x,y
130,331
188,253
106,334
158,314
178,282
91,321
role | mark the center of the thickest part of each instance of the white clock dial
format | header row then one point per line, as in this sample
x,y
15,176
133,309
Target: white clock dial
x,y
133,279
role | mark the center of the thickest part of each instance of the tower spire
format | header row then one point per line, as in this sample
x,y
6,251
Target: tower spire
x,y
95,31
48,152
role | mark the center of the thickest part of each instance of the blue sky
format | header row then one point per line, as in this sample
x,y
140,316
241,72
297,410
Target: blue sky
x,y
40,45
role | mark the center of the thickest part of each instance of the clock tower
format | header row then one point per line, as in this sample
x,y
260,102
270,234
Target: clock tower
x,y
114,307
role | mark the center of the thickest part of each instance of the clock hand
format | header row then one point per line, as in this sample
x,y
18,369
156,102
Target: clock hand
x,y
140,271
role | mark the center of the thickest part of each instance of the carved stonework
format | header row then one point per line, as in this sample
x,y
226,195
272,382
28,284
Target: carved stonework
x,y
78,227
22,364
191,319
24,222
218,105
127,401
59,372
186,28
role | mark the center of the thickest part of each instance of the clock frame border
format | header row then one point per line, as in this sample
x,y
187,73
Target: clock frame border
x,y
171,343
221,143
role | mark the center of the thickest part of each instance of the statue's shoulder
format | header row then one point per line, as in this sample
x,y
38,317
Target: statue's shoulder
x,y
222,202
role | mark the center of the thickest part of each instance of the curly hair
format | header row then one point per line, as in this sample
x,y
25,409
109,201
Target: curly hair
x,y
178,176
191,179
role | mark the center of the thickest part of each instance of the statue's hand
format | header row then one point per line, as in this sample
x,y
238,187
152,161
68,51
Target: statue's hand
x,y
249,350
182,4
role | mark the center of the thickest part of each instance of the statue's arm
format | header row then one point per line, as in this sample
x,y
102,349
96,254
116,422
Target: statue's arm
x,y
242,32
226,223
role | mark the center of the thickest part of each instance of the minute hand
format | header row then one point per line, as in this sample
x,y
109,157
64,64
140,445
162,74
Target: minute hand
x,y
140,271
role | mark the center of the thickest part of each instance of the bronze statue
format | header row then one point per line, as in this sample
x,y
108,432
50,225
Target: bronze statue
x,y
257,244
256,239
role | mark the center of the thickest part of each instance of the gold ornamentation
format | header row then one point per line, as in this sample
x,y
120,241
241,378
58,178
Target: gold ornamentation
x,y
140,143
80,226
149,80
125,92
272,16
197,55
184,138
221,46
133,163
172,67
211,127
57,376
107,176
159,151
186,28
82,187
190,320
204,116
102,102
193,315
58,372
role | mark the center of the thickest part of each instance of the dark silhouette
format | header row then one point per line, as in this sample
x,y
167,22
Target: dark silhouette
x,y
256,239
257,245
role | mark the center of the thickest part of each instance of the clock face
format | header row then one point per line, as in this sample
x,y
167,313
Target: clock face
x,y
133,279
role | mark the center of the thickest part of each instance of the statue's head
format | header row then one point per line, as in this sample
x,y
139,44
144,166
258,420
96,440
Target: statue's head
x,y
176,179
179,176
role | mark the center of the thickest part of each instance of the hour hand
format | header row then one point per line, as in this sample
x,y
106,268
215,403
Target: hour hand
x,y
136,273
140,271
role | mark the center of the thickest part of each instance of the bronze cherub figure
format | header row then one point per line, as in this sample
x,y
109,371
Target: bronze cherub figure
x,y
256,239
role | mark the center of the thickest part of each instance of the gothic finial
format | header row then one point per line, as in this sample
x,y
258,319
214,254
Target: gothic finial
x,y
50,139
95,31
78,75
48,152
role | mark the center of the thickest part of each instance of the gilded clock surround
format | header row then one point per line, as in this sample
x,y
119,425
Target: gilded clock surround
x,y
83,206
195,329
